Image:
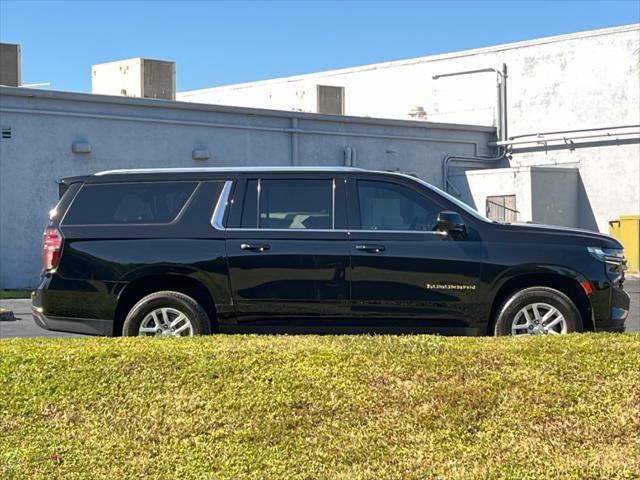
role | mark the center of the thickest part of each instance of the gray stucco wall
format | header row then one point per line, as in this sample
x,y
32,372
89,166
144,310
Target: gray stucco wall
x,y
127,133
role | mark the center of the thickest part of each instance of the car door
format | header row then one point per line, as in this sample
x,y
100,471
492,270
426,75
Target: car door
x,y
288,252
404,273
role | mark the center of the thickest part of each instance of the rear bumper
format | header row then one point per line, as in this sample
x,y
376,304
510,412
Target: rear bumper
x,y
87,326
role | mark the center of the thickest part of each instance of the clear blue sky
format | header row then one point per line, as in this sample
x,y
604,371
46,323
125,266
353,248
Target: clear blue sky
x,y
217,43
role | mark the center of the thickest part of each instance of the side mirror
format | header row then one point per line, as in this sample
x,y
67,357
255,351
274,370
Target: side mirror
x,y
451,223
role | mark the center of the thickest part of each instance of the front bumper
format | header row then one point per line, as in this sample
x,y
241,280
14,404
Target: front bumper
x,y
619,311
618,301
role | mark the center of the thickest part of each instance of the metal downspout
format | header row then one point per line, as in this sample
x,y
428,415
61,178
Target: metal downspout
x,y
502,153
501,125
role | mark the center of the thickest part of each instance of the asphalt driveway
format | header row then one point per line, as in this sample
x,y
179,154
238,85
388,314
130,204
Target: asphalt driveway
x,y
24,326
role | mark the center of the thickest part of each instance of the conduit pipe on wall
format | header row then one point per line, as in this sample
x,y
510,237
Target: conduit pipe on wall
x,y
580,130
501,121
568,139
475,160
501,96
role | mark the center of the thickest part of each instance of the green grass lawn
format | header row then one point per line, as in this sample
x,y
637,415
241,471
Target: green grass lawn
x,y
11,294
316,407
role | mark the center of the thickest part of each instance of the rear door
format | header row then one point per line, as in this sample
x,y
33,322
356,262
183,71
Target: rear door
x,y
288,252
406,275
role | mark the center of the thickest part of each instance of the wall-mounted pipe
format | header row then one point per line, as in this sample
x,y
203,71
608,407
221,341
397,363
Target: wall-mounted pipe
x,y
475,160
580,130
501,97
566,139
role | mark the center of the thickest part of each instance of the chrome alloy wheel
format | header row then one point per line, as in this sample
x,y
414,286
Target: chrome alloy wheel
x,y
166,322
538,319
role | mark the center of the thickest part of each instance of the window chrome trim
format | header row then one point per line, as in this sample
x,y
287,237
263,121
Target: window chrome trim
x,y
258,193
221,206
327,230
333,204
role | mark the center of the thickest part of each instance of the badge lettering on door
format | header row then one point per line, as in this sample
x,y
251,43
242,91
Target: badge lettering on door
x,y
448,286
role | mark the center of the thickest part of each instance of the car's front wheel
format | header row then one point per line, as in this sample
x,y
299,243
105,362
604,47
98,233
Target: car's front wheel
x,y
537,311
167,313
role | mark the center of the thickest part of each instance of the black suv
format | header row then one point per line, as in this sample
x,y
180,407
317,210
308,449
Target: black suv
x,y
180,252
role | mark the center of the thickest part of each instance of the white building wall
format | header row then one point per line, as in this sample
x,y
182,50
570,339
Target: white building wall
x,y
552,81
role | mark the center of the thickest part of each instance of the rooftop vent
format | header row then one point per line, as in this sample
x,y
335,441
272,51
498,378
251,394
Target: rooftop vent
x,y
10,64
135,77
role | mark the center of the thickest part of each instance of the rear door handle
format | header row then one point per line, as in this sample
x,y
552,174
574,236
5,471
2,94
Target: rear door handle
x,y
255,247
370,248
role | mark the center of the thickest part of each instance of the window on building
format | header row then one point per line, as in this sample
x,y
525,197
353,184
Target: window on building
x,y
331,100
129,203
502,208
289,204
387,206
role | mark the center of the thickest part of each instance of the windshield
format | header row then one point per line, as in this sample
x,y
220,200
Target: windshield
x,y
454,200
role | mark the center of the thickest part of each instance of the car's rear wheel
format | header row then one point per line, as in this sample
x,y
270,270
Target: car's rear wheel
x,y
167,313
537,311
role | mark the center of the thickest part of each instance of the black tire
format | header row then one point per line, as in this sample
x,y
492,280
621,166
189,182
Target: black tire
x,y
167,299
527,296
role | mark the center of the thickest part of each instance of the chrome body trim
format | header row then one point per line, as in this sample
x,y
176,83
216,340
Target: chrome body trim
x,y
338,230
221,206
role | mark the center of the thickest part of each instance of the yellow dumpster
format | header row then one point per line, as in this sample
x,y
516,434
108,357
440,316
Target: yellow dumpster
x,y
626,230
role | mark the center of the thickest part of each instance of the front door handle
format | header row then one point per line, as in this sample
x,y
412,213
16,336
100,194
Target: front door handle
x,y
255,247
370,248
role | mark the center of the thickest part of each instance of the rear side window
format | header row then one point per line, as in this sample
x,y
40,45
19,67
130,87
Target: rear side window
x,y
129,203
292,204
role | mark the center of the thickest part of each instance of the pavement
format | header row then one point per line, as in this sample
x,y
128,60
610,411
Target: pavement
x,y
25,327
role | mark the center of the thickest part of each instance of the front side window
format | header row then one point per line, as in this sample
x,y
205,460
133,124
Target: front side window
x,y
295,204
388,206
129,203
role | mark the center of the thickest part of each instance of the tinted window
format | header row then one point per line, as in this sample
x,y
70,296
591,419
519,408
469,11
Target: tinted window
x,y
129,203
387,206
288,204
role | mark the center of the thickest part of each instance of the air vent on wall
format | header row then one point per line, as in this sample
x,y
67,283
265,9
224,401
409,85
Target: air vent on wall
x,y
6,132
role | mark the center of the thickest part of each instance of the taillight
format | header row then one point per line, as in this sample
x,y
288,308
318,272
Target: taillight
x,y
51,248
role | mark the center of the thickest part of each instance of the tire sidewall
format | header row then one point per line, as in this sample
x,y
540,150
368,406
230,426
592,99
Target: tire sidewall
x,y
180,302
527,296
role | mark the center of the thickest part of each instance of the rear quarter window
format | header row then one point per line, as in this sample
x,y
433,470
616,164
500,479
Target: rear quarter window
x,y
129,203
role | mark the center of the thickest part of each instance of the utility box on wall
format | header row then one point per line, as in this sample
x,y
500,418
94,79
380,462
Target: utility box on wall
x,y
135,77
626,230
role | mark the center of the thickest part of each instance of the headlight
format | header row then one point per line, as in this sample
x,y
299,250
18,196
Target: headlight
x,y
614,256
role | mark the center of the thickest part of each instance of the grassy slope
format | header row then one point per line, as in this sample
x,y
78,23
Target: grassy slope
x,y
308,407
12,294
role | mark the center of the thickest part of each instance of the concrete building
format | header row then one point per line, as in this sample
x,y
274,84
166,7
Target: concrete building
x,y
47,135
568,97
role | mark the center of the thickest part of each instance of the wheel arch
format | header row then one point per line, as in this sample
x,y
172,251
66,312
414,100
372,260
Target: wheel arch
x,y
145,285
569,285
